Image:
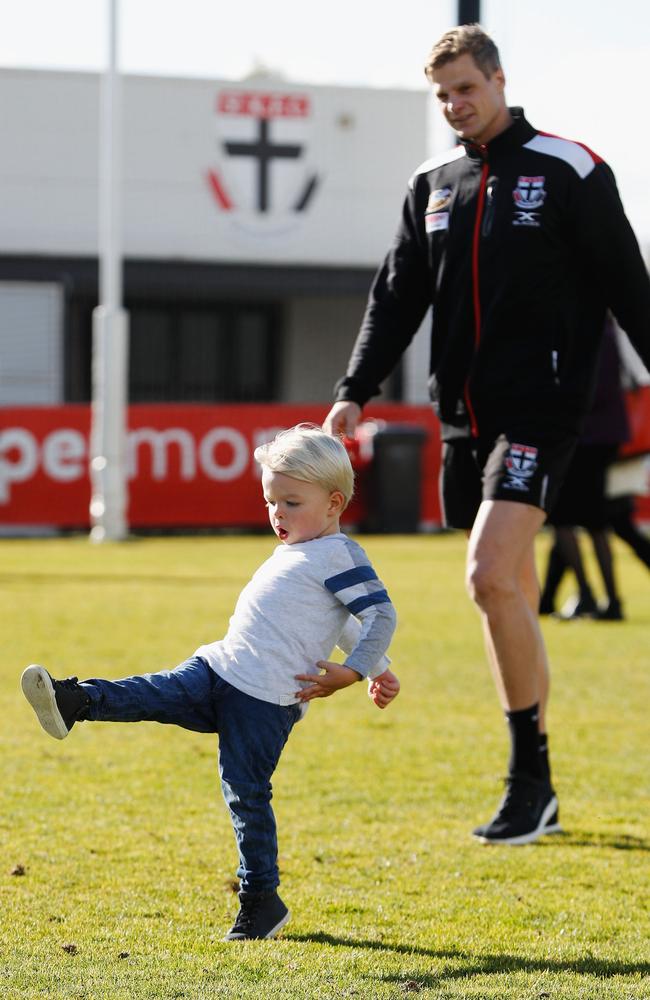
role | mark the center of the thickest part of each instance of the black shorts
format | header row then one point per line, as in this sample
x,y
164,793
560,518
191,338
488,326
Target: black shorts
x,y
581,499
526,468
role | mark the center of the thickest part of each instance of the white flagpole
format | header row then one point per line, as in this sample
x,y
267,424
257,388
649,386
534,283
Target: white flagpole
x,y
108,473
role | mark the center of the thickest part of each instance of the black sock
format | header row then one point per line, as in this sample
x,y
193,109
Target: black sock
x,y
544,761
524,741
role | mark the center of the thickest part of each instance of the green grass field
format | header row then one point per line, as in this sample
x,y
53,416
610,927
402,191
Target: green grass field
x,y
117,857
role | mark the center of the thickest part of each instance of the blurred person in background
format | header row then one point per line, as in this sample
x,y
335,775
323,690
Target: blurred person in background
x,y
519,241
585,499
621,502
582,497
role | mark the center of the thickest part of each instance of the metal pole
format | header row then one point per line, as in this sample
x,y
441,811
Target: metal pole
x,y
108,472
469,11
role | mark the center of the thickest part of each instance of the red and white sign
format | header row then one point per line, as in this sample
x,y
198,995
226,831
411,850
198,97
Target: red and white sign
x,y
262,105
187,464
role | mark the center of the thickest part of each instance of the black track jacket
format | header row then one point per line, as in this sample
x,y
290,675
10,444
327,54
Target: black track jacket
x,y
520,246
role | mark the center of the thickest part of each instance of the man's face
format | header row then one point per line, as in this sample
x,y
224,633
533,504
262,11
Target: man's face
x,y
474,106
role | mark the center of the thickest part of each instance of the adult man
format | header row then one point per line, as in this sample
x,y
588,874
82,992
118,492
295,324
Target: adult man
x,y
520,242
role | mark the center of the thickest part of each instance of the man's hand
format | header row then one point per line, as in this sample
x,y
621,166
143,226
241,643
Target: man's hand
x,y
334,677
342,419
383,689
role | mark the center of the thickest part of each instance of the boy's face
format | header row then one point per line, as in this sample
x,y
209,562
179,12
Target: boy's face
x,y
300,511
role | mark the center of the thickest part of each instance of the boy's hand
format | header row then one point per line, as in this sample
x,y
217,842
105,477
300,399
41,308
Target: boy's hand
x,y
383,689
334,677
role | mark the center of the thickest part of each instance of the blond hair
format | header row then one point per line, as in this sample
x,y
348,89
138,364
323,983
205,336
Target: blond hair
x,y
466,39
307,453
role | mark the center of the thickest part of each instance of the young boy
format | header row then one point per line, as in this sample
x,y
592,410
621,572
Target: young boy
x,y
317,590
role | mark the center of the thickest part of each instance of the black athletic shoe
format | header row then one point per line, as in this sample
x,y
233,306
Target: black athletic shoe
x,y
58,704
553,822
610,612
578,607
523,814
260,915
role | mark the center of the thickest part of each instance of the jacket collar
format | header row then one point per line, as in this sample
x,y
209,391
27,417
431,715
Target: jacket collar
x,y
519,132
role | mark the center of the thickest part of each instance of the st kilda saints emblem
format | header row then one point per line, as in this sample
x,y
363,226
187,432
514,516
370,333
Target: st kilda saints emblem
x,y
528,196
263,174
521,463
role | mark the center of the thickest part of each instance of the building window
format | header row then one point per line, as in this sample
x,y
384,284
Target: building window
x,y
187,353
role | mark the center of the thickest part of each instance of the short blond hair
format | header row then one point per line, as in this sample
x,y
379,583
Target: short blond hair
x,y
307,453
466,39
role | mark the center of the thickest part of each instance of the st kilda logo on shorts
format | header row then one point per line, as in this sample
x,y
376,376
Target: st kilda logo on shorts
x,y
529,196
262,141
521,464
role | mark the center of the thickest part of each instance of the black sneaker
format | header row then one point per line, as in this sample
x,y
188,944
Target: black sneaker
x,y
552,824
610,612
261,915
523,814
575,607
58,704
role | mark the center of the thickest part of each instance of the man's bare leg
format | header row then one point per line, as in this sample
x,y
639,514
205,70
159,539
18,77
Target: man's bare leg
x,y
502,580
498,579
530,587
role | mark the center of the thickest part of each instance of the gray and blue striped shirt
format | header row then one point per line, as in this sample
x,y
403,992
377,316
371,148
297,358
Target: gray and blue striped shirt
x,y
303,601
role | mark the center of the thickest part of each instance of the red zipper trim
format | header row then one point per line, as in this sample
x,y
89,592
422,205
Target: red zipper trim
x,y
475,287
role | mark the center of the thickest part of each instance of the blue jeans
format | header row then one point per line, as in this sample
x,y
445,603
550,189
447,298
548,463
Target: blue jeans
x,y
252,734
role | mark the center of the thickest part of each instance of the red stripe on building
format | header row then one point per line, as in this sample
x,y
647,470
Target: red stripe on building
x,y
219,191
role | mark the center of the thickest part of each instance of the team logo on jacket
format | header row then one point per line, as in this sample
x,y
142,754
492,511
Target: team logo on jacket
x,y
439,199
529,196
436,215
521,464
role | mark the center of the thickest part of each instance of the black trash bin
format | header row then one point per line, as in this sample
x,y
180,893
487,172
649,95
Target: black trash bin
x,y
395,480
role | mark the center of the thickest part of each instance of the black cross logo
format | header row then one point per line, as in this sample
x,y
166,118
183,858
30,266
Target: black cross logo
x,y
264,151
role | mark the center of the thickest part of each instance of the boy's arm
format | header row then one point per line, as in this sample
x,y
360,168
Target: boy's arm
x,y
334,676
372,619
349,639
375,623
383,685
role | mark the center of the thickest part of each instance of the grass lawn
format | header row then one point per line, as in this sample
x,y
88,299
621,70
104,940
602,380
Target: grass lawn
x,y
117,857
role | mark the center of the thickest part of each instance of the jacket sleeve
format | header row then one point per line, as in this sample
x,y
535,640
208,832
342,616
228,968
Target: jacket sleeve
x,y
608,244
399,298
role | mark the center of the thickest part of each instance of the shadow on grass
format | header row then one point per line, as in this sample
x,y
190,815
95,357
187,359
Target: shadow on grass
x,y
585,838
474,965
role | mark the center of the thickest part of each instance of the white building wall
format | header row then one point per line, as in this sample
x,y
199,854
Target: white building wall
x,y
358,146
48,169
